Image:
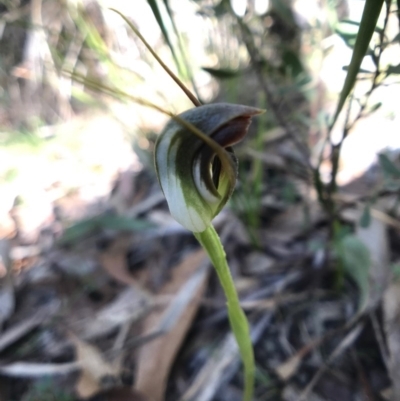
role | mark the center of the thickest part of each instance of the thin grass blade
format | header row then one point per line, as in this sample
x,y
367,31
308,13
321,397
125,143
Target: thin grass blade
x,y
368,23
183,51
157,15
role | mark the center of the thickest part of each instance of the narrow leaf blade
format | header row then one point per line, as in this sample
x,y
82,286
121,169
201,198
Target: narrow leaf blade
x,y
368,23
157,15
388,166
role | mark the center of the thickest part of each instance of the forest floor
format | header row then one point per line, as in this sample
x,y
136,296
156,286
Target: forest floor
x,y
102,292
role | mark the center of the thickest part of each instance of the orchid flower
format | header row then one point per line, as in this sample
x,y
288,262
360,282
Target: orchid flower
x,y
195,181
197,171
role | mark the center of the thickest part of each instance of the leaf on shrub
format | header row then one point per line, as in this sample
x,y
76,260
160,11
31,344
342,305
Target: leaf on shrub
x,y
362,70
375,107
396,38
222,73
396,270
284,12
365,219
348,38
161,23
357,23
222,8
368,23
292,63
388,167
393,69
357,262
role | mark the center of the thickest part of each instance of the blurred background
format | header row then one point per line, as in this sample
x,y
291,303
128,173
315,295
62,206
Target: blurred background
x,y
96,279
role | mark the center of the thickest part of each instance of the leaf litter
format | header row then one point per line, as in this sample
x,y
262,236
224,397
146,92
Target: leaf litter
x,y
120,328
121,307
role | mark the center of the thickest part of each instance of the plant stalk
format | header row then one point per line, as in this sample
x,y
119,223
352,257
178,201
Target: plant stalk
x,y
211,242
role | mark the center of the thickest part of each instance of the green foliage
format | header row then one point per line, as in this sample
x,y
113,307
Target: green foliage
x,y
88,227
348,29
396,271
347,33
222,73
365,219
368,23
26,141
393,69
292,63
388,167
391,182
355,259
158,16
9,175
179,53
284,12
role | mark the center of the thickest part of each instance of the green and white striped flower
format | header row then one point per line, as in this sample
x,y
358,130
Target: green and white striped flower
x,y
196,167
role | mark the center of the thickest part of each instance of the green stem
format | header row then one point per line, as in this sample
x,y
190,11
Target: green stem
x,y
210,241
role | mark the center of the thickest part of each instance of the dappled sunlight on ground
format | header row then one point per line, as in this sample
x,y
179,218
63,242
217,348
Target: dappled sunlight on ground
x,y
81,156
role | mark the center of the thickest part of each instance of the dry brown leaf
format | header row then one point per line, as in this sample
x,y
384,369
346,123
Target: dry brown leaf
x,y
93,368
155,358
273,302
130,305
294,221
114,260
288,368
